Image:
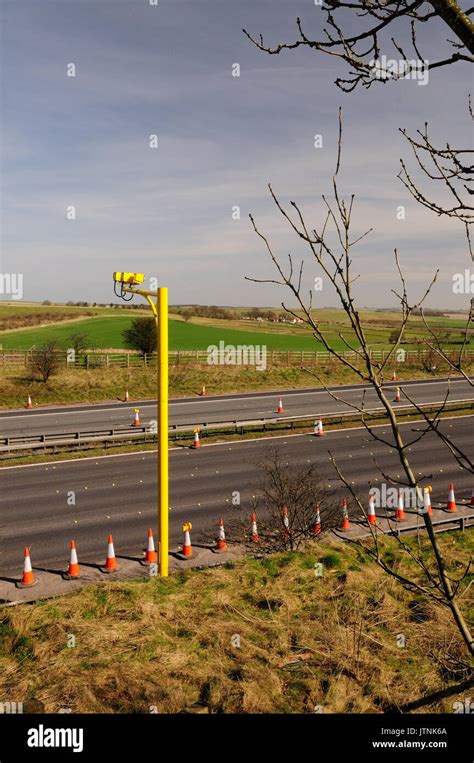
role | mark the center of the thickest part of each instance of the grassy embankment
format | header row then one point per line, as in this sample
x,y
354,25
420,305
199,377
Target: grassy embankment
x,y
306,643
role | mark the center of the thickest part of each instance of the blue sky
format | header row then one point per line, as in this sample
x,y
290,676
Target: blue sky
x,y
166,70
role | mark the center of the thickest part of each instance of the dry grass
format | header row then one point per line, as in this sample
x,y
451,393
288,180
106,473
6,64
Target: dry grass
x,y
97,385
305,641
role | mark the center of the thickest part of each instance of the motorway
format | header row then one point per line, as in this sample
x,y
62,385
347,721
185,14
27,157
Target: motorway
x,y
199,410
117,493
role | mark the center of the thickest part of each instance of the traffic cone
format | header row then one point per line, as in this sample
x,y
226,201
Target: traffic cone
x,y
136,421
286,524
451,499
28,578
318,428
427,502
221,545
371,518
127,397
345,516
196,443
254,536
203,391
316,529
110,562
151,556
397,396
280,406
73,570
400,512
187,549
472,497
29,404
394,376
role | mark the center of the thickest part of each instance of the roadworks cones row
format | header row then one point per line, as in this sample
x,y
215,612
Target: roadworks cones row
x,y
221,544
151,557
187,549
427,502
345,516
280,406
400,512
318,428
29,404
110,562
371,511
28,578
196,443
317,521
203,391
136,421
397,396
127,397
254,536
451,499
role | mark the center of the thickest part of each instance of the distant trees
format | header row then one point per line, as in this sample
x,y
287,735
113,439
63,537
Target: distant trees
x,y
141,335
45,360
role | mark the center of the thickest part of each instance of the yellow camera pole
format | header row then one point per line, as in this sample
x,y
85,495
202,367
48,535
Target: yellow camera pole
x,y
160,313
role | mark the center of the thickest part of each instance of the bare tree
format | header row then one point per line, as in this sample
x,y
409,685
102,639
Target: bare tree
x,y
336,263
46,360
286,506
381,20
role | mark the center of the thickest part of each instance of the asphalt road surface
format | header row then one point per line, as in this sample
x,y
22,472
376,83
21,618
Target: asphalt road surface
x,y
118,493
241,407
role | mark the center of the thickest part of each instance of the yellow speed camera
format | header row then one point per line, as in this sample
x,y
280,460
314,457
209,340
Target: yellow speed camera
x,y
131,278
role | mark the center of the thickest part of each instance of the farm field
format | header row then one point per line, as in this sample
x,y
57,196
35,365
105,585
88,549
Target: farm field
x,y
104,327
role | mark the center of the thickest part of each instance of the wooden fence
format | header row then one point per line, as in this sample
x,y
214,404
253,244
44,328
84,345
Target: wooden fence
x,y
108,359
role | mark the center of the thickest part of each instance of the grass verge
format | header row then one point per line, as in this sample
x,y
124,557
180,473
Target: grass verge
x,y
255,636
101,384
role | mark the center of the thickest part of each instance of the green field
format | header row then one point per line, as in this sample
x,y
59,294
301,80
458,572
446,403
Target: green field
x,y
105,327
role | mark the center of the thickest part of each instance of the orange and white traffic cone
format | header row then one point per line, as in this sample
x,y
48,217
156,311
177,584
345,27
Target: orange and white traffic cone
x,y
345,516
28,578
187,549
318,428
394,376
29,404
400,512
371,518
280,406
73,570
286,524
451,499
221,544
110,562
151,556
127,397
427,502
254,536
397,396
316,529
136,421
203,391
196,442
